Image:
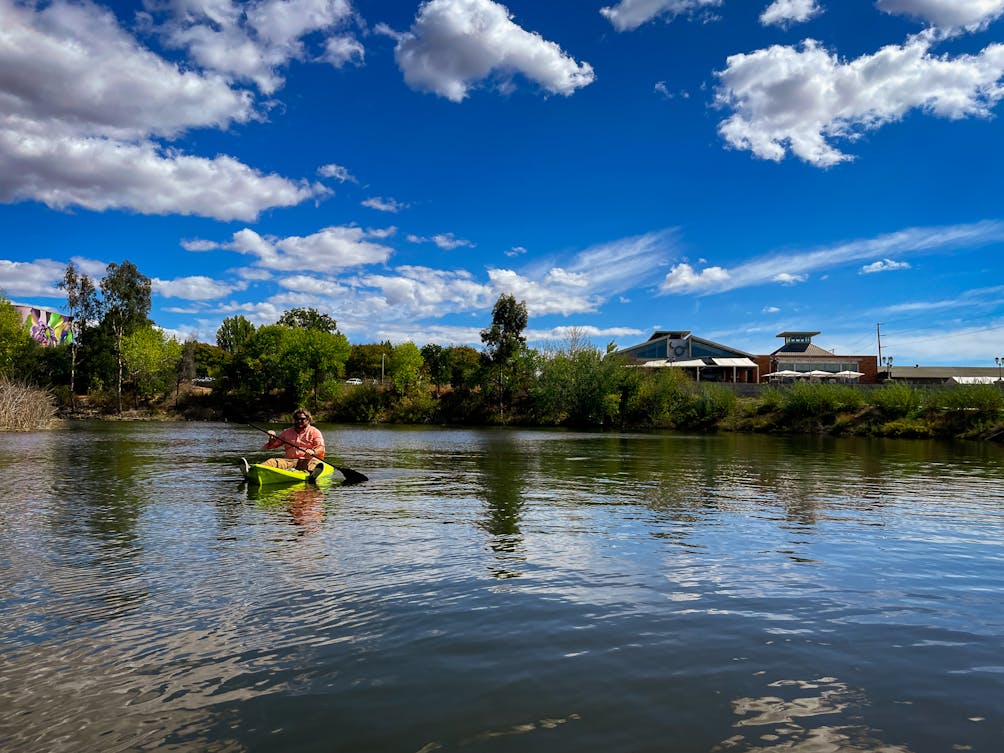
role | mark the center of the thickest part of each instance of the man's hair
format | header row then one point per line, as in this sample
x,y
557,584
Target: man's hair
x,y
303,412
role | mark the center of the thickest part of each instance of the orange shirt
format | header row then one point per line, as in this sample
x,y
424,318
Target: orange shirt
x,y
310,438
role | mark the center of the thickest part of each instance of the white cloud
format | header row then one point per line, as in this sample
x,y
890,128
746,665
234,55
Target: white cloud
x,y
194,288
516,251
199,246
786,12
947,14
785,98
630,14
549,296
884,265
339,173
80,101
771,310
790,268
446,241
35,278
683,279
384,205
330,249
787,278
254,41
456,44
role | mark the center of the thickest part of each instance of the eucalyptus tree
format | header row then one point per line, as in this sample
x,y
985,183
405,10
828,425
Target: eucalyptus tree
x,y
82,306
125,304
504,338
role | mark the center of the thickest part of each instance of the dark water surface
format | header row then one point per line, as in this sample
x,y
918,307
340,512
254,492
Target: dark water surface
x,y
501,591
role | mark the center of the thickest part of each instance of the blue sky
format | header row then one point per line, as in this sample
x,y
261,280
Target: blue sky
x,y
736,168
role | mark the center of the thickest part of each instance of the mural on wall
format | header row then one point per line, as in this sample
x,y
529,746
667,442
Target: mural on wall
x,y
48,328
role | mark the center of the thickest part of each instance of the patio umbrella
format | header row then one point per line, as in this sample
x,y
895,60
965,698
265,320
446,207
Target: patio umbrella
x,y
848,374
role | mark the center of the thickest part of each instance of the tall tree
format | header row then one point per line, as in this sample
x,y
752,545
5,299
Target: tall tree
x,y
234,333
504,339
308,319
405,367
437,363
125,304
82,306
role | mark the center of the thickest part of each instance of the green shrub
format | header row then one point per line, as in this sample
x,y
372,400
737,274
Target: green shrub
x,y
820,400
986,400
897,400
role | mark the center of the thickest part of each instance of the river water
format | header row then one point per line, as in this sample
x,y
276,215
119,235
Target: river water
x,y
500,590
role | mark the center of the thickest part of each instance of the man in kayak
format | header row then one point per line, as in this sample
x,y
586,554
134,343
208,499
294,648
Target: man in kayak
x,y
303,444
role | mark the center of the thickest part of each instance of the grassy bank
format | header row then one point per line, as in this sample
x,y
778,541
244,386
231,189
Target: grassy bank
x,y
895,410
23,407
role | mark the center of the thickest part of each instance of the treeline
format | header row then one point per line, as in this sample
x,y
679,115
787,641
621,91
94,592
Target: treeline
x,y
120,360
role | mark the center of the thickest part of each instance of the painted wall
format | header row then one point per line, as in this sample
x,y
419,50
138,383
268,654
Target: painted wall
x,y
46,327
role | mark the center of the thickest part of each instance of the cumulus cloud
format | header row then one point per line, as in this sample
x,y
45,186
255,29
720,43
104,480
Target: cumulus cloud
x,y
254,41
787,12
800,99
36,278
884,265
628,15
332,248
80,105
793,268
971,15
454,45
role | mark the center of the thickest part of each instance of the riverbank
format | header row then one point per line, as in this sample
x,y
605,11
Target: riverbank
x,y
897,411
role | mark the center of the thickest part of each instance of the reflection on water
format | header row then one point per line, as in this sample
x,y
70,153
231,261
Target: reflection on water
x,y
501,590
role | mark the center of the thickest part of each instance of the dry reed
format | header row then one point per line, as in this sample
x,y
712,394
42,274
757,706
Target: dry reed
x,y
23,407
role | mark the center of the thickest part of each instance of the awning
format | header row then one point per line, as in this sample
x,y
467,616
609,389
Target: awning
x,y
974,379
695,363
743,363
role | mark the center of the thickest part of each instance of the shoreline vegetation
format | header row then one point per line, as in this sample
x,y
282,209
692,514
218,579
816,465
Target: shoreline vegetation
x,y
114,363
659,401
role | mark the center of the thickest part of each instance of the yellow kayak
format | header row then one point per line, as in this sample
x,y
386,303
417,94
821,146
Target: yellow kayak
x,y
260,475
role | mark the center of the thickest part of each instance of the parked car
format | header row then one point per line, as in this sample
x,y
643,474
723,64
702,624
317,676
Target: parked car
x,y
354,380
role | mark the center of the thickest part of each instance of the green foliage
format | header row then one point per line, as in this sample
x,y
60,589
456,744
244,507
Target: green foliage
x,y
363,404
405,368
125,303
896,400
578,387
368,361
16,344
661,398
150,359
437,364
505,342
715,402
417,407
820,400
234,333
465,363
308,319
983,400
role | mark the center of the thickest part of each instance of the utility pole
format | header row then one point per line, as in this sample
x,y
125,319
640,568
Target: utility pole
x,y
878,334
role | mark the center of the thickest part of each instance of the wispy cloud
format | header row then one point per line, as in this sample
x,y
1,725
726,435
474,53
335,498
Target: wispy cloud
x,y
628,15
790,267
382,204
